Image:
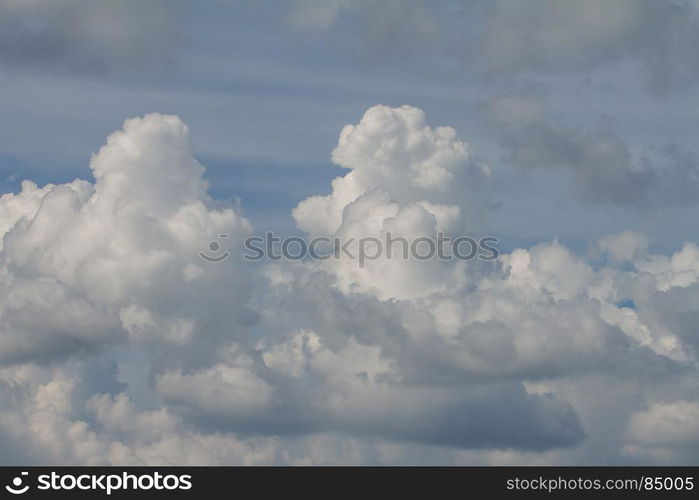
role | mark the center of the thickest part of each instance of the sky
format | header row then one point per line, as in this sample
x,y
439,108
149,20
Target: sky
x,y
135,133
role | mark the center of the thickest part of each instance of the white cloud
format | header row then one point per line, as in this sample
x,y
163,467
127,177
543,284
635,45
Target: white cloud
x,y
406,179
666,431
624,247
394,149
120,346
223,390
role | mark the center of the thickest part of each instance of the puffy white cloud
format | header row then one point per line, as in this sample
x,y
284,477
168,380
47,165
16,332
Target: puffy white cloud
x,y
624,247
223,390
81,258
119,345
406,180
56,421
679,270
394,149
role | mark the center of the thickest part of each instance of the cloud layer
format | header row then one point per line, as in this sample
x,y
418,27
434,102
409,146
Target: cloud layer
x,y
119,345
599,163
551,36
85,36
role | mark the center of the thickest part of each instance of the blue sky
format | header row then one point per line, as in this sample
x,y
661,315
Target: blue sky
x,y
266,100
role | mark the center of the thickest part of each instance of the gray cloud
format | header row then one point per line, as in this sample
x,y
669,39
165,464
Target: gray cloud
x,y
86,36
546,35
602,167
386,29
506,37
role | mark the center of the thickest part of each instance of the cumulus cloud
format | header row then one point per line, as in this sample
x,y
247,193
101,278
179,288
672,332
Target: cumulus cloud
x,y
119,345
406,179
624,247
395,149
81,35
